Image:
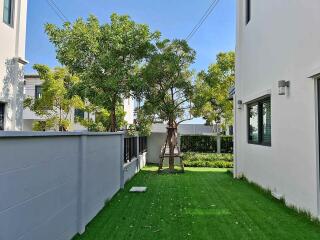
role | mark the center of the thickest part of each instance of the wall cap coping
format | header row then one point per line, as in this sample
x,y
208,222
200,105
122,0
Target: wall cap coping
x,y
22,134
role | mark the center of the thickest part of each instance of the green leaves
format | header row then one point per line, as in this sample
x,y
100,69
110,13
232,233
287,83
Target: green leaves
x,y
55,103
104,56
211,99
168,80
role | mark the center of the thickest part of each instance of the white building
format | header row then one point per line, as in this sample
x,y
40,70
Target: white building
x,y
13,14
33,90
277,136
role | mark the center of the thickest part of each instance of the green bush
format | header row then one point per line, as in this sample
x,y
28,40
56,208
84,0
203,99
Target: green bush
x,y
206,144
213,160
226,144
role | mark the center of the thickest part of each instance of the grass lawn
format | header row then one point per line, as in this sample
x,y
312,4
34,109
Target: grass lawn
x,y
200,204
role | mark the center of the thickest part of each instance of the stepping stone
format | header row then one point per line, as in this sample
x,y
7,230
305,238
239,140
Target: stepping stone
x,y
138,189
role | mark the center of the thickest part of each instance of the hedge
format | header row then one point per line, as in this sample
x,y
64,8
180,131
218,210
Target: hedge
x,y
206,144
214,160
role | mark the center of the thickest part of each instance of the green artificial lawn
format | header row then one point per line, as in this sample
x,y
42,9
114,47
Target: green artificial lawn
x,y
199,204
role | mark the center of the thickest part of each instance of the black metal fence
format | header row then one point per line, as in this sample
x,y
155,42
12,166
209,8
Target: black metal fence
x,y
130,148
142,144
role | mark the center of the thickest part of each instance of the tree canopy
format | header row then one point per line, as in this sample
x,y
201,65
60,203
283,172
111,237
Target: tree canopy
x,y
105,57
211,98
167,87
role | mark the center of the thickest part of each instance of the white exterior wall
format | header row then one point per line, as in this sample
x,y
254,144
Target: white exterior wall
x,y
281,42
11,72
128,106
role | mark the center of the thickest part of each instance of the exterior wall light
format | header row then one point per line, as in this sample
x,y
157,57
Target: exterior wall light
x,y
239,103
282,85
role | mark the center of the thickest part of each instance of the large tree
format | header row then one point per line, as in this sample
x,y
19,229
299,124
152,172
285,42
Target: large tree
x,y
104,56
55,103
211,99
167,87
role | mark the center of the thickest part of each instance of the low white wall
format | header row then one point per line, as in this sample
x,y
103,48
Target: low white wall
x,y
130,169
155,142
52,185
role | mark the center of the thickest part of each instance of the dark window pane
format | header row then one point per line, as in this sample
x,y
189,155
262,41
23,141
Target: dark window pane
x,y
38,91
2,107
253,123
78,114
248,11
266,122
7,11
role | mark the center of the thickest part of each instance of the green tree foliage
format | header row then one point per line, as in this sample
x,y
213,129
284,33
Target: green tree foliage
x,y
105,57
168,88
102,121
56,102
211,100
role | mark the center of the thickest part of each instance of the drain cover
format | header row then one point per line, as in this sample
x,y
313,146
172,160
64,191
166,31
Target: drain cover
x,y
138,189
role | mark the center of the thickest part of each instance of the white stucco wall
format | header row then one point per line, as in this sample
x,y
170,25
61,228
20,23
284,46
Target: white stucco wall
x,y
11,72
53,184
128,106
281,42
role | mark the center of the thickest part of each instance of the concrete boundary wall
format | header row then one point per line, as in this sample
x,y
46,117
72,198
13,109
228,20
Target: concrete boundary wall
x,y
53,184
132,168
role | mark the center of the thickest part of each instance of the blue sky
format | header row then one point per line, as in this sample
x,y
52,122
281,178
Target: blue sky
x,y
173,18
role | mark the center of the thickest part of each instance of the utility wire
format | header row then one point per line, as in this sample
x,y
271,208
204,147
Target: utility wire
x,y
57,10
207,13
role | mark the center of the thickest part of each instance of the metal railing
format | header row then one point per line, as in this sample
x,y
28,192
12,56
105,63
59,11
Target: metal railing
x,y
143,145
130,149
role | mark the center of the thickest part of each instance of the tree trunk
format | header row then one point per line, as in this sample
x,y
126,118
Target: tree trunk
x,y
172,143
113,124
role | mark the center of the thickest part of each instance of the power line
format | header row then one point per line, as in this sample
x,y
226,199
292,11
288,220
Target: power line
x,y
203,19
57,10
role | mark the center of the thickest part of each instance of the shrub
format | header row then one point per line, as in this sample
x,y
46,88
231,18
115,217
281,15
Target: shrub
x,y
213,160
226,144
206,144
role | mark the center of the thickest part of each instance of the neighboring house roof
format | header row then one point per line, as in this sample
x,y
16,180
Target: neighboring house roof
x,y
26,76
232,92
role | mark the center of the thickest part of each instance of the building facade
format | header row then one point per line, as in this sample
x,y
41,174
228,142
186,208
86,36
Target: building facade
x,y
33,90
276,99
13,17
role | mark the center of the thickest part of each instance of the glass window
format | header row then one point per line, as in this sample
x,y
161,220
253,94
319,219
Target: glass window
x,y
2,108
7,11
38,91
266,122
259,122
78,114
253,123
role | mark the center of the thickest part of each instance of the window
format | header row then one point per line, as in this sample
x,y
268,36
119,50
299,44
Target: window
x,y
8,12
38,91
259,122
2,108
78,114
248,11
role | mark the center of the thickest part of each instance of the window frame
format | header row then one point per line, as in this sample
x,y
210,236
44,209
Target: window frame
x,y
37,93
76,114
259,103
3,107
12,7
248,11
